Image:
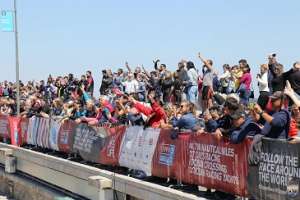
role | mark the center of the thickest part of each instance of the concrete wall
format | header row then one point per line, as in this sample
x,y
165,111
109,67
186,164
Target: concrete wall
x,y
87,181
21,188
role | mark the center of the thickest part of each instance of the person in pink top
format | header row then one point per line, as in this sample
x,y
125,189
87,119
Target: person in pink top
x,y
245,85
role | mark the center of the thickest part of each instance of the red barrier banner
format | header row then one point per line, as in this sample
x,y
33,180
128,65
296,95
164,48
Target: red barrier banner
x,y
4,126
15,131
109,155
66,136
24,129
213,162
165,155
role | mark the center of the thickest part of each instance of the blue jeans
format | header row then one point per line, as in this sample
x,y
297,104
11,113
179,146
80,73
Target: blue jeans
x,y
192,94
244,94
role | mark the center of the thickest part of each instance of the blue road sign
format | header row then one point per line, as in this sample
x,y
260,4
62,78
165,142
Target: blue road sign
x,y
7,21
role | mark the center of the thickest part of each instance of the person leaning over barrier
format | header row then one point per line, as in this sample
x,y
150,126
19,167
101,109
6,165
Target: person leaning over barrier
x,y
158,114
277,124
243,126
186,118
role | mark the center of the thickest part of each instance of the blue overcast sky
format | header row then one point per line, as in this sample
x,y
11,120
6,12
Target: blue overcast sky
x,y
61,36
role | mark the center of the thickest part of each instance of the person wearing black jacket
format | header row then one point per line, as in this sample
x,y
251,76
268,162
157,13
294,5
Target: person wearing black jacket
x,y
183,77
278,82
271,72
106,84
293,76
167,86
177,88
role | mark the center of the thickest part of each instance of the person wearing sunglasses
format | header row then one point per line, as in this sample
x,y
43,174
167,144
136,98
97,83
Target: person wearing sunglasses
x,y
185,118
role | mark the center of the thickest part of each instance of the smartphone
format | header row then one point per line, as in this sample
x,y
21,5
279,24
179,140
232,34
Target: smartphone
x,y
251,106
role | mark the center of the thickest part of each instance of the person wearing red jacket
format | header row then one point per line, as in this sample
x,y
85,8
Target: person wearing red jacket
x,y
158,114
295,115
155,114
141,107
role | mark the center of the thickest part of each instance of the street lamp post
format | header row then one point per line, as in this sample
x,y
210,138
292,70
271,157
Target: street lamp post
x,y
17,59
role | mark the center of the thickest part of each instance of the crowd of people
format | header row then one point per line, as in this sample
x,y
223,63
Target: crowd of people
x,y
189,99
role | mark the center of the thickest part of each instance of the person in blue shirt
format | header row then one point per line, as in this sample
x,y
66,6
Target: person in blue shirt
x,y
243,126
187,120
277,124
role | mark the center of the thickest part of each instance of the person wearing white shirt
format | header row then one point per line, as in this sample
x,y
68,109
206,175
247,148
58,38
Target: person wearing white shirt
x,y
131,85
192,87
224,78
262,79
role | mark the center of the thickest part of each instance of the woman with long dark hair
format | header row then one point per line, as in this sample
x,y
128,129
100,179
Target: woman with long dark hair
x,y
245,85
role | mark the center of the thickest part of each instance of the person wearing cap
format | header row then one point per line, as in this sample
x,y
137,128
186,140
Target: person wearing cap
x,y
277,124
243,126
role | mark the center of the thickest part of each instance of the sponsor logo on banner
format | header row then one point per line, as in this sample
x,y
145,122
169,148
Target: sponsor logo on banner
x,y
111,147
167,154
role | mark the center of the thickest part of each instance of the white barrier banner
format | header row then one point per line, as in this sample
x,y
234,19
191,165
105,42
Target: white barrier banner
x,y
31,129
43,132
137,148
54,131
